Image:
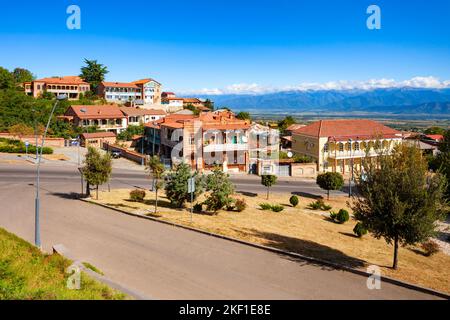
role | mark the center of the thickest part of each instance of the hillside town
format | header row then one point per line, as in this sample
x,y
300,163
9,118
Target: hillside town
x,y
136,149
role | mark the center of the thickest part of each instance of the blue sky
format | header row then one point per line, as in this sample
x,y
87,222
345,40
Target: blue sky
x,y
190,45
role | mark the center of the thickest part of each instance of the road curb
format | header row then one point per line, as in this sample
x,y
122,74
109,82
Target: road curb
x,y
64,252
282,252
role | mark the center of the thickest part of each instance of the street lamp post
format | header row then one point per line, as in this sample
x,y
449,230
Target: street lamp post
x,y
82,110
37,227
350,141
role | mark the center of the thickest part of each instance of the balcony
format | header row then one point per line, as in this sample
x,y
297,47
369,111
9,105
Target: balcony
x,y
339,155
225,147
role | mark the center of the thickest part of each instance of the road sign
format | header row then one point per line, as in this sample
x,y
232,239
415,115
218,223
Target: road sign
x,y
191,185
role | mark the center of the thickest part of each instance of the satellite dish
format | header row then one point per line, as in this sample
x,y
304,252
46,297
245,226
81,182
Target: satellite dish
x,y
290,154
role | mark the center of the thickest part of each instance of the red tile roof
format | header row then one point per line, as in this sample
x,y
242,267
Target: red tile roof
x,y
120,85
132,111
95,112
437,137
144,81
68,80
192,100
346,129
98,135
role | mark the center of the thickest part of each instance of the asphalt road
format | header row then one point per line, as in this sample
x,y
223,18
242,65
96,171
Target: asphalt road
x,y
165,262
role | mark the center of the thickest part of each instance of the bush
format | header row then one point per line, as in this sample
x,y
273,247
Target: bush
x,y
359,230
198,207
274,208
137,195
266,206
342,216
319,205
294,201
277,208
430,248
240,205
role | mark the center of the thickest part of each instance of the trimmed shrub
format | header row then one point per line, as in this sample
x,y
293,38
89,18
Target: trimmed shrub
x,y
277,208
319,205
137,195
359,230
265,206
430,248
240,205
294,201
333,215
198,207
342,216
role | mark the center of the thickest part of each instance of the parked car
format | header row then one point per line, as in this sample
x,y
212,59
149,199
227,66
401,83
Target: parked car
x,y
116,154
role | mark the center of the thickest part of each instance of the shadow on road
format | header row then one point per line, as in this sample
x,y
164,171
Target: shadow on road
x,y
248,194
307,195
305,247
69,196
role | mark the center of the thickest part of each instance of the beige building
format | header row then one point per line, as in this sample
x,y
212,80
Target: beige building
x,y
336,144
72,86
150,89
105,118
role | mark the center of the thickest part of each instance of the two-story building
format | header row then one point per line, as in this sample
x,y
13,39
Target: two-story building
x,y
204,141
336,145
151,90
72,86
119,92
104,117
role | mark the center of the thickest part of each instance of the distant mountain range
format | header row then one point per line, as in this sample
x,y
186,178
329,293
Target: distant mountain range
x,y
393,100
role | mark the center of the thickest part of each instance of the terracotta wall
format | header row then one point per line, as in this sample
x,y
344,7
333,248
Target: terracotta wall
x,y
49,142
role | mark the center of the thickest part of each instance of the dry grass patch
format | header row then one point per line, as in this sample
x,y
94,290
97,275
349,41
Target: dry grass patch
x,y
302,231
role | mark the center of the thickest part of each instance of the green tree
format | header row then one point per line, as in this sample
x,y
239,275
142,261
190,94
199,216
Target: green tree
x,y
193,109
177,185
268,181
209,104
132,130
330,181
21,75
434,130
6,79
220,189
441,163
156,169
97,168
285,123
94,73
244,116
398,199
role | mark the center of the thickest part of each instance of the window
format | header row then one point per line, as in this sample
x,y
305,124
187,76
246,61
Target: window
x,y
341,147
326,147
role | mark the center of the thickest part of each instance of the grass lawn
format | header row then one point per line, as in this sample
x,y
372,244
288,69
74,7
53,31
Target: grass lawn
x,y
303,231
27,274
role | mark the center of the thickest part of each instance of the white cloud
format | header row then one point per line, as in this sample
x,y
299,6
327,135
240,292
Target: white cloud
x,y
254,88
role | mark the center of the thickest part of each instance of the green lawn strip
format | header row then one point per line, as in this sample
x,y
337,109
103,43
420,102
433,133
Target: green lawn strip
x,y
27,274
